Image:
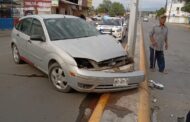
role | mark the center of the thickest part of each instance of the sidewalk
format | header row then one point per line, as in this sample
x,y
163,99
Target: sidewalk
x,y
182,25
4,33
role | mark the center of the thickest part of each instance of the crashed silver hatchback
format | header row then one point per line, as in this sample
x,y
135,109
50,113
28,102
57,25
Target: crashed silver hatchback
x,y
73,54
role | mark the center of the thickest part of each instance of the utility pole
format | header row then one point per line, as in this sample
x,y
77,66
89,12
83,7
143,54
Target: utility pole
x,y
170,10
132,28
166,5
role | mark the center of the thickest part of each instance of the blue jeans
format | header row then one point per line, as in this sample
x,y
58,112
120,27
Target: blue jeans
x,y
159,57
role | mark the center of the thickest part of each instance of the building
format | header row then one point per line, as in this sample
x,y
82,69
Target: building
x,y
37,7
72,7
175,14
9,8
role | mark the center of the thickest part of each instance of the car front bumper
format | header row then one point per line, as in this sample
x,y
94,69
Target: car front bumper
x,y
117,35
102,81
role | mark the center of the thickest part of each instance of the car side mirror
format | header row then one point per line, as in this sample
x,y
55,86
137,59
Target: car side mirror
x,y
37,38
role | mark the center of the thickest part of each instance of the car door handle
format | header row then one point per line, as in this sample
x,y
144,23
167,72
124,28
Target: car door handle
x,y
18,35
29,41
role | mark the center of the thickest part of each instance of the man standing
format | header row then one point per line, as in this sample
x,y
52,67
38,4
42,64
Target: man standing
x,y
158,39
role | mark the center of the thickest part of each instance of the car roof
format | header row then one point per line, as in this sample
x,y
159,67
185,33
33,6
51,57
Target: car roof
x,y
49,16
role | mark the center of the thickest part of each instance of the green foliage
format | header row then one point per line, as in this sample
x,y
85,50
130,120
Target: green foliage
x,y
117,9
160,12
105,6
113,9
187,1
186,8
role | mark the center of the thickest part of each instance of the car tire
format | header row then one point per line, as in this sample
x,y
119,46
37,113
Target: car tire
x,y
58,78
16,55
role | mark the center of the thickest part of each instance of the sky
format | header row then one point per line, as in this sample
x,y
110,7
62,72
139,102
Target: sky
x,y
143,4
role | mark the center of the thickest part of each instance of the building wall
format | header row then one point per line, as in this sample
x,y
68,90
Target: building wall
x,y
37,6
175,10
175,14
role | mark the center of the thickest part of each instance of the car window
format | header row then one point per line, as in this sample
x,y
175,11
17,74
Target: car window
x,y
69,28
36,28
115,22
24,25
18,25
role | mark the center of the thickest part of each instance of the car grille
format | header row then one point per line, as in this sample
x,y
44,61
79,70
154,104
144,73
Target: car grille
x,y
110,86
115,62
106,30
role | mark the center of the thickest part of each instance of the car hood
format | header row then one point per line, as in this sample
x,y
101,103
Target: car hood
x,y
106,26
97,48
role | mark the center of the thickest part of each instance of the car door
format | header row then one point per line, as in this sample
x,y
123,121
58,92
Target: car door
x,y
37,49
22,36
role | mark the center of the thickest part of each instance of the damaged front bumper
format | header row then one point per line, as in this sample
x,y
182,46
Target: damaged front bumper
x,y
105,81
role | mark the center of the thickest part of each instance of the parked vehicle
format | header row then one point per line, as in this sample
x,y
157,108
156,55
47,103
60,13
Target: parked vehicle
x,y
145,19
97,18
73,54
114,26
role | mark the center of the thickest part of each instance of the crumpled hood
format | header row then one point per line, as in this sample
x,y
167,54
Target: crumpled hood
x,y
97,48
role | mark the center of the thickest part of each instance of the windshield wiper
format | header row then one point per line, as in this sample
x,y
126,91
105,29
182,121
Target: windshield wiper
x,y
56,39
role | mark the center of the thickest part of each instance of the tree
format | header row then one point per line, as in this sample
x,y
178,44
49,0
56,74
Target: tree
x,y
186,8
117,9
105,6
160,12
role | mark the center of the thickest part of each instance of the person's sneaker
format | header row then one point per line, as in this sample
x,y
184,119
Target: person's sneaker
x,y
164,72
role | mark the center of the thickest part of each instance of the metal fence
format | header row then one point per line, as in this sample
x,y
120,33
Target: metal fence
x,y
6,23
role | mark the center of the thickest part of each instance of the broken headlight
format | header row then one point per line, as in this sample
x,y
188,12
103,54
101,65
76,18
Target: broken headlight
x,y
84,63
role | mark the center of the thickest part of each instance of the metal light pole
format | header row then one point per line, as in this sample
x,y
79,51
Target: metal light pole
x,y
170,10
132,28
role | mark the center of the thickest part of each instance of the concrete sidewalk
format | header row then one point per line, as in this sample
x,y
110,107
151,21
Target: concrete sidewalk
x,y
4,33
181,25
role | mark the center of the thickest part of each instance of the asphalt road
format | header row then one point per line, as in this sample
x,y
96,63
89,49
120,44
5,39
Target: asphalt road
x,y
174,101
26,95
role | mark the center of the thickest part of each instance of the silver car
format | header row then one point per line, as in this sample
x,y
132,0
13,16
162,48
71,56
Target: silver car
x,y
73,54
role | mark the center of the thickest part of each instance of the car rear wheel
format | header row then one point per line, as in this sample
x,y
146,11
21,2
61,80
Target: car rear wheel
x,y
58,78
16,55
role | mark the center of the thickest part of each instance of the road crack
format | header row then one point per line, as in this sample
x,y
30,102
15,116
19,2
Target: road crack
x,y
25,75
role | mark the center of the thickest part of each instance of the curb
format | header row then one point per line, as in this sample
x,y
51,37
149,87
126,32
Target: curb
x,y
144,104
98,111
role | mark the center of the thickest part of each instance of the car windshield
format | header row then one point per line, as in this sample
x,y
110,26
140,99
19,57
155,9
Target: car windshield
x,y
115,22
69,28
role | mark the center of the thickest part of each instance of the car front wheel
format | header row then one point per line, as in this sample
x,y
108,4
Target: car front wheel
x,y
58,78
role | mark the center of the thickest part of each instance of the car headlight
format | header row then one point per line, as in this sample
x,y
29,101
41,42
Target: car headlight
x,y
84,63
119,30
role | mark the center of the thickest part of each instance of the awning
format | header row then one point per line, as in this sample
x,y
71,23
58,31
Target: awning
x,y
68,2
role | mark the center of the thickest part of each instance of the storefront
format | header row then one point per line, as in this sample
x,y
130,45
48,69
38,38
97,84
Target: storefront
x,y
65,7
9,13
37,7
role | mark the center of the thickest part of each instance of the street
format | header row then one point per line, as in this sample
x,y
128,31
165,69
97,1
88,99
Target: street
x,y
26,95
173,102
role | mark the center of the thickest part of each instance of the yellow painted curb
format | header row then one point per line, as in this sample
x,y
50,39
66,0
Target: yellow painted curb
x,y
98,111
144,104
